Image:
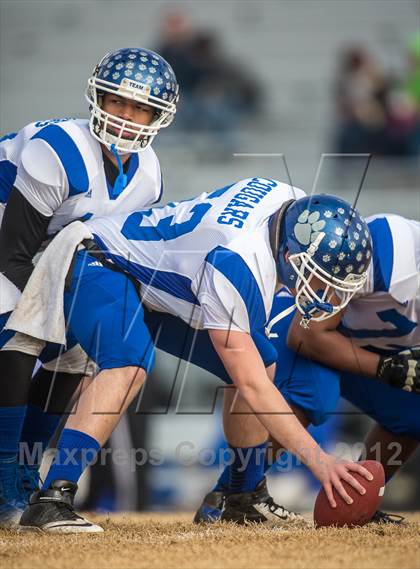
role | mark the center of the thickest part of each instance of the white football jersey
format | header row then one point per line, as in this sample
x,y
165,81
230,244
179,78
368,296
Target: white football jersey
x,y
207,260
58,166
385,313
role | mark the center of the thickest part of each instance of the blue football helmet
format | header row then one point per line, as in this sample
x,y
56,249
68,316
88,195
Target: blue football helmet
x,y
323,237
140,75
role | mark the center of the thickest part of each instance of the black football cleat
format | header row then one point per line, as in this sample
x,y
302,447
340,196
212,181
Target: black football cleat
x,y
51,511
391,519
211,508
259,507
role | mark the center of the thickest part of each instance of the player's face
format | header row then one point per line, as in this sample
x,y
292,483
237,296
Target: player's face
x,y
127,110
324,292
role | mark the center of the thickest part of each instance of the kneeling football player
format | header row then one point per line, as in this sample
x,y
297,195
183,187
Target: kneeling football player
x,y
208,270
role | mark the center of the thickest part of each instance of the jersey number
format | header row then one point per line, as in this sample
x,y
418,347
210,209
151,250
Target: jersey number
x,y
403,326
164,230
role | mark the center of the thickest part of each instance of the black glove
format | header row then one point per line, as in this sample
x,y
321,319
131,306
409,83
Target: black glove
x,y
402,370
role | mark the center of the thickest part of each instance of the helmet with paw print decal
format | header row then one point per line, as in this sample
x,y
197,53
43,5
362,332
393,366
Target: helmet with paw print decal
x,y
324,251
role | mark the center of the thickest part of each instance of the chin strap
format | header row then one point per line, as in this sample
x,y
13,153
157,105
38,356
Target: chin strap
x,y
315,306
276,319
121,181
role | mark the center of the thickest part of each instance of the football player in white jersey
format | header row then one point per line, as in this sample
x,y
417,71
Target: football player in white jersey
x,y
372,347
208,269
51,173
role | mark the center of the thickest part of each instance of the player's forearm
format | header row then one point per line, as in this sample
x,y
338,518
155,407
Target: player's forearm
x,y
331,348
245,367
279,420
22,232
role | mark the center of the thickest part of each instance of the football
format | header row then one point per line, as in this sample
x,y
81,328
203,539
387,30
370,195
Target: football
x,y
363,507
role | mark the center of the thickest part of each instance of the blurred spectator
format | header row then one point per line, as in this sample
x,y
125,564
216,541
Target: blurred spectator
x,y
361,92
378,114
177,36
216,93
412,81
405,114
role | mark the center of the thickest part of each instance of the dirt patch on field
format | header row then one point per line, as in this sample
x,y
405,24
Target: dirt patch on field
x,y
172,541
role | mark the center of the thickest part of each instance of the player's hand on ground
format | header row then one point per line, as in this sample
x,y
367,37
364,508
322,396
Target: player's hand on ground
x,y
401,370
332,471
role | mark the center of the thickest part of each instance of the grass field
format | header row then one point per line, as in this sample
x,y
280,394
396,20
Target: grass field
x,y
172,541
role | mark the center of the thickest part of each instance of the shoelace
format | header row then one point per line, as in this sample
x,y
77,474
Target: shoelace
x,y
273,507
